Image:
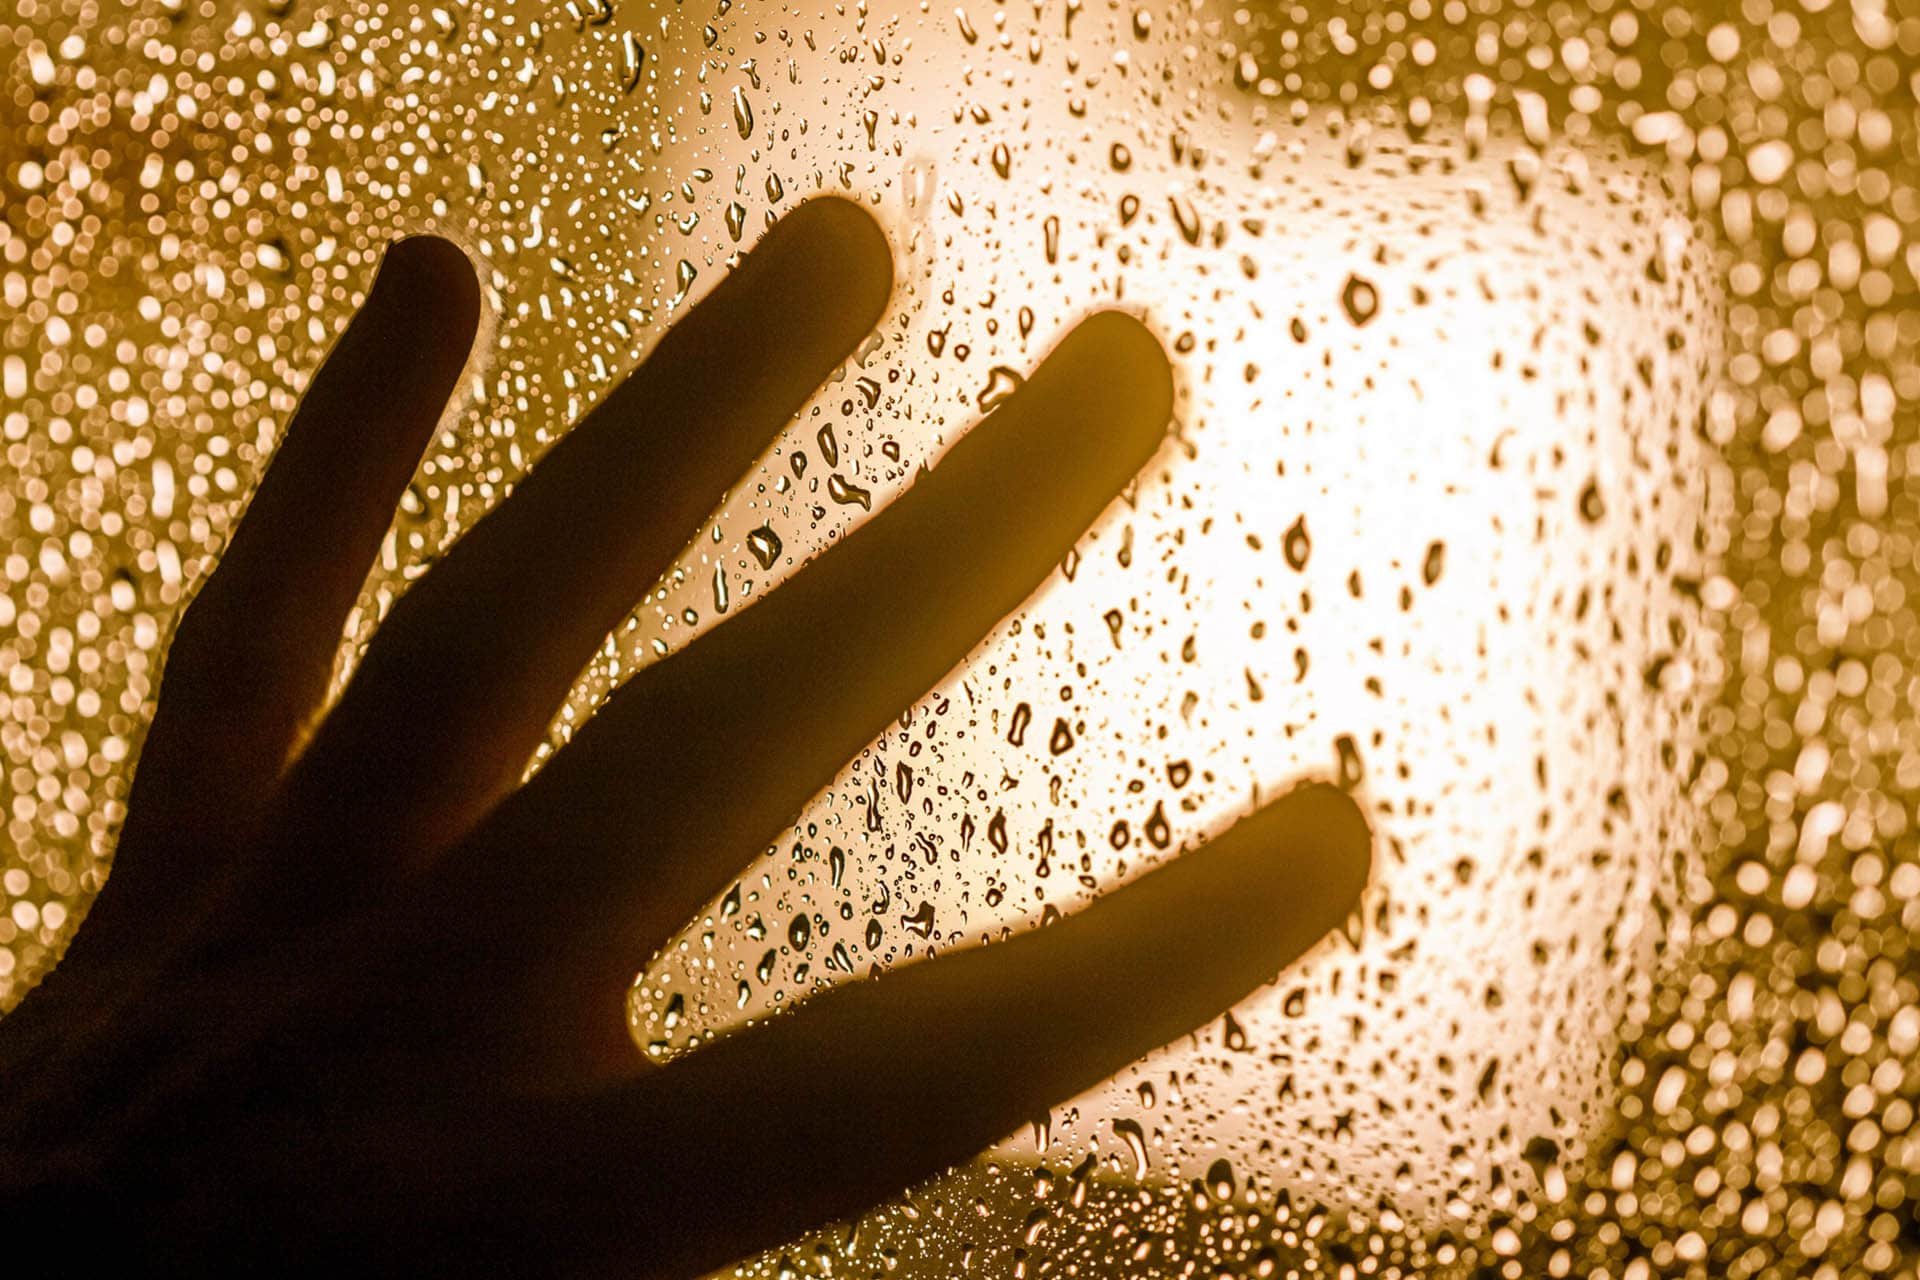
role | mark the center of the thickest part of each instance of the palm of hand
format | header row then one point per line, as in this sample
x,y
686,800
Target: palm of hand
x,y
355,996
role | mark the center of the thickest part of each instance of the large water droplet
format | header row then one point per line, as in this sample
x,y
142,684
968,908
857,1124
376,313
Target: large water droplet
x,y
1002,383
765,545
742,113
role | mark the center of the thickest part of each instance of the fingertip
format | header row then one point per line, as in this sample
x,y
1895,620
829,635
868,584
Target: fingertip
x,y
849,248
1128,372
432,278
1137,356
1334,839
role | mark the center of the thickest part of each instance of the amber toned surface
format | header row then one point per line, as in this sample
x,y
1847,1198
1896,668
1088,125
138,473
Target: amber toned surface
x,y
1686,235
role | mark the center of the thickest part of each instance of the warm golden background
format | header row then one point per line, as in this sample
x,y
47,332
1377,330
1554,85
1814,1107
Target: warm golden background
x,y
1542,465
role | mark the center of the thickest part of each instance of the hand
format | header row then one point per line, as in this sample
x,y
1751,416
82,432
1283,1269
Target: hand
x,y
355,997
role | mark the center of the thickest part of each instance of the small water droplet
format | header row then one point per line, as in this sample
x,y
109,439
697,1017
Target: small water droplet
x,y
1186,217
1593,507
1129,1132
1351,768
632,58
1297,544
1159,833
1220,1180
1359,299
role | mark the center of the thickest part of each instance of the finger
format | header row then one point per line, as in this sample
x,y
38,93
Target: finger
x,y
459,687
251,659
698,759
817,1114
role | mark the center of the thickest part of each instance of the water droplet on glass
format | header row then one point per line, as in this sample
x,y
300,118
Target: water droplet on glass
x,y
1359,299
848,494
1129,1132
632,57
1220,1180
1002,382
1296,544
1159,834
1350,768
1593,507
765,545
1186,217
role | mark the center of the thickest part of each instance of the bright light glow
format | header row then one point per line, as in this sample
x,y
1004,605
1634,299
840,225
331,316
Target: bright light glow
x,y
1482,405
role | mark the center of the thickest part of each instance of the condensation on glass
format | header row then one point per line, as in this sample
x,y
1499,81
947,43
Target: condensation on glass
x,y
1540,470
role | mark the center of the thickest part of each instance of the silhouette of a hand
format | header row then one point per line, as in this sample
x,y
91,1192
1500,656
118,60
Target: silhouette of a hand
x,y
355,997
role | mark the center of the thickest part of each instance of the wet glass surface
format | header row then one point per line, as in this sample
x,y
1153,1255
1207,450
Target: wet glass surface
x,y
1540,468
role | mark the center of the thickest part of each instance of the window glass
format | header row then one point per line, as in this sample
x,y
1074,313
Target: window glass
x,y
1540,468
